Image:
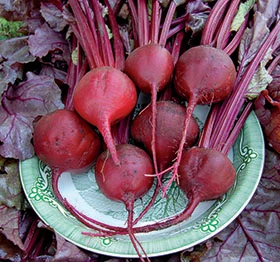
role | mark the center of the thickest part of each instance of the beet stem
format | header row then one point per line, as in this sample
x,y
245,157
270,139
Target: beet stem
x,y
92,223
212,22
143,22
167,23
171,221
134,16
154,123
237,128
105,44
86,37
55,178
177,46
131,234
224,31
155,23
206,133
234,43
118,44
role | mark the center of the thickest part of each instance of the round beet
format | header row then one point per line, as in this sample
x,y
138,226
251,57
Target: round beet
x,y
204,74
103,97
169,130
65,142
125,182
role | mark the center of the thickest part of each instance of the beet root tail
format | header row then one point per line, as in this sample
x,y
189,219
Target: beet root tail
x,y
109,141
175,166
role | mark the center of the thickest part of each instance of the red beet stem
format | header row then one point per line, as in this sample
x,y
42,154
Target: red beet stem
x,y
225,31
104,229
118,44
134,22
167,23
234,43
143,22
55,177
106,48
212,23
85,36
155,23
171,221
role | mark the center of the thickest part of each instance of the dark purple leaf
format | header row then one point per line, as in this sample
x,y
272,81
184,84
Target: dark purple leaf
x,y
274,86
21,104
9,225
66,250
197,12
53,14
14,52
11,194
19,10
8,251
56,73
7,76
46,40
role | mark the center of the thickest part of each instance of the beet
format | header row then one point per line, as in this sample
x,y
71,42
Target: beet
x,y
103,97
65,142
125,182
169,129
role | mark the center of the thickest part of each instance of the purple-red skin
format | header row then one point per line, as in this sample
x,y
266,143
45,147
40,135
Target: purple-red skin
x,y
125,182
150,65
65,142
205,74
103,97
169,130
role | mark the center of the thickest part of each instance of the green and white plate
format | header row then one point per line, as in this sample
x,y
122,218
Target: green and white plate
x,y
81,190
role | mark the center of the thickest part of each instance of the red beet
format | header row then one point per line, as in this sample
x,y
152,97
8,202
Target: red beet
x,y
125,182
150,67
103,97
65,142
169,129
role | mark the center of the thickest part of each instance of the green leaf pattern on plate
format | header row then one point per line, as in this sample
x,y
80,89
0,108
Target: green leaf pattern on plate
x,y
41,191
246,152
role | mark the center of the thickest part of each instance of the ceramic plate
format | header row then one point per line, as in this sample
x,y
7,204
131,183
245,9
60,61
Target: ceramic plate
x,y
208,219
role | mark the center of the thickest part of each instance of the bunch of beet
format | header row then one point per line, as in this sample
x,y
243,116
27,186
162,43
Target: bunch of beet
x,y
164,138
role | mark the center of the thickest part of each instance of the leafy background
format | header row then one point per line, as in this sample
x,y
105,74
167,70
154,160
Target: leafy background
x,y
33,63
